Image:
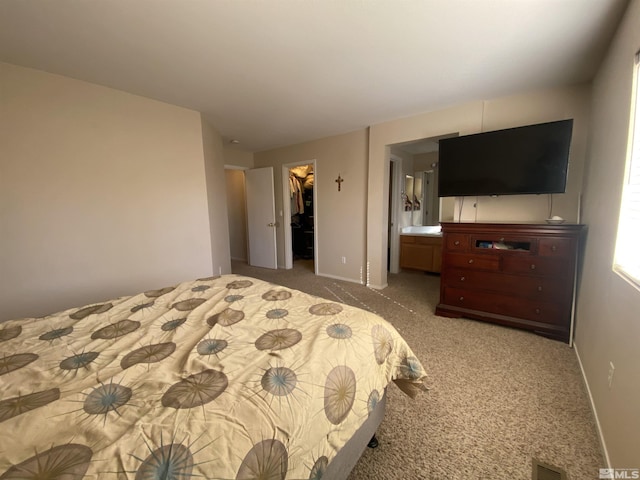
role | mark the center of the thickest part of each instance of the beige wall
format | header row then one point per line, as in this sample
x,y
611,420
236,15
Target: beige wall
x,y
340,216
236,206
474,117
216,198
608,324
237,158
102,193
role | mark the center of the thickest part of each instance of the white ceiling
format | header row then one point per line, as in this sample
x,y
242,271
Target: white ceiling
x,y
277,72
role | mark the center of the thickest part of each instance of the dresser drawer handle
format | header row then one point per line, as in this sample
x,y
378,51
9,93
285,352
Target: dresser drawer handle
x,y
456,243
462,279
538,311
471,260
533,266
539,288
461,299
553,248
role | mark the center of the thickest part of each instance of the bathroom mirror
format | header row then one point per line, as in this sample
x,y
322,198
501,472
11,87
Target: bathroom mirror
x,y
407,194
421,198
421,207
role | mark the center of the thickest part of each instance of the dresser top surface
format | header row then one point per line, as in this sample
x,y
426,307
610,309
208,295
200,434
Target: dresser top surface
x,y
530,228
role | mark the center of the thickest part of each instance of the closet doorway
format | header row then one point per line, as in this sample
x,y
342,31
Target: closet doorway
x,y
299,213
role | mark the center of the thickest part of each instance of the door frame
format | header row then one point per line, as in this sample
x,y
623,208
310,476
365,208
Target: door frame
x,y
395,187
286,215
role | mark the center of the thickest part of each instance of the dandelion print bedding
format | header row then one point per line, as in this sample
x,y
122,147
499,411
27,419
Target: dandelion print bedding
x,y
221,378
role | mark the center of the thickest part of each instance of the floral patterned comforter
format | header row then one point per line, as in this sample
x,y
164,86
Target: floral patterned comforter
x,y
227,377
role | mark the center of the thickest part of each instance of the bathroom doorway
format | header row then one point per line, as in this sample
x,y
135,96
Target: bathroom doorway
x,y
395,170
415,201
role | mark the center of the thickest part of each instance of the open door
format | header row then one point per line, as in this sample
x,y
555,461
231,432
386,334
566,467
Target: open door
x,y
261,217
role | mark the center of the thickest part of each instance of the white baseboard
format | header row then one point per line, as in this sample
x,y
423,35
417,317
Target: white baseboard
x,y
336,277
603,444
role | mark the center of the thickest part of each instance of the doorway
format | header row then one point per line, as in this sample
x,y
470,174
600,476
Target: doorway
x,y
237,212
413,186
395,169
299,214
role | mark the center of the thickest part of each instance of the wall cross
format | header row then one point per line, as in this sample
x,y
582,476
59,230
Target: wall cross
x,y
339,181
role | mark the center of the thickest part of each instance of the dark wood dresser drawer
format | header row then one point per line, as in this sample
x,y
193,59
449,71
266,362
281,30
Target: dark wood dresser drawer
x,y
555,247
541,266
457,242
551,289
539,311
467,260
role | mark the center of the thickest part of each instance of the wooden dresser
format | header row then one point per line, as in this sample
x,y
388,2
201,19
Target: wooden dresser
x,y
520,275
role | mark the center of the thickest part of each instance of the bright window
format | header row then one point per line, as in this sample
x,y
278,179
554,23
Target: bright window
x,y
627,256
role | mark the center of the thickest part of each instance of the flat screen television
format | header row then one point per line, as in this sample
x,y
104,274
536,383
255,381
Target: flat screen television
x,y
515,161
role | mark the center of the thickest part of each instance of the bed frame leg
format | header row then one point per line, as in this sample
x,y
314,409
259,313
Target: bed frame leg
x,y
373,443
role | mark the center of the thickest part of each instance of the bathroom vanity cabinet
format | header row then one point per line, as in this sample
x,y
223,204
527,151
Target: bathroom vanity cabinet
x,y
421,252
520,275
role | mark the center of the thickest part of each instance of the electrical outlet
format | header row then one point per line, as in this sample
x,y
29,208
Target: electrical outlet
x,y
344,259
611,370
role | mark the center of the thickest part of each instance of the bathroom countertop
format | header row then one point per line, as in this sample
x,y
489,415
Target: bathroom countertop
x,y
425,231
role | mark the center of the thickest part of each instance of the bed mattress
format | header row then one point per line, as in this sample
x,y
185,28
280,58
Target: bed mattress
x,y
225,377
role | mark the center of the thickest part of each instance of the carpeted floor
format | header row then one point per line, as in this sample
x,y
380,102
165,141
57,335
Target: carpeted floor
x,y
497,398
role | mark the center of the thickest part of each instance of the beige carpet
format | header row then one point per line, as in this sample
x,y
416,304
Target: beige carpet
x,y
498,396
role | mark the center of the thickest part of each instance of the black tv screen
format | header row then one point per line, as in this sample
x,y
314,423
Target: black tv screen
x,y
515,161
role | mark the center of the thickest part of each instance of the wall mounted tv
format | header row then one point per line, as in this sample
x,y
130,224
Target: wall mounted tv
x,y
515,161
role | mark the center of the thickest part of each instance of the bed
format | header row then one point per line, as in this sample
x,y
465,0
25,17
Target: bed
x,y
225,377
